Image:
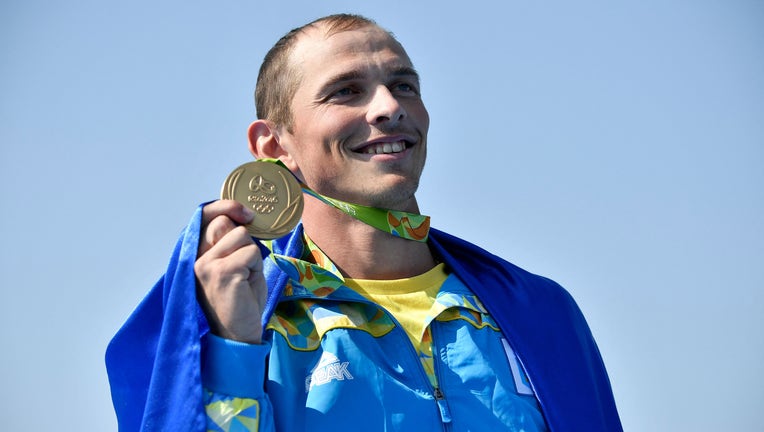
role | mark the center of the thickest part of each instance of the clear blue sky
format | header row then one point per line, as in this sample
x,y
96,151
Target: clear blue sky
x,y
616,147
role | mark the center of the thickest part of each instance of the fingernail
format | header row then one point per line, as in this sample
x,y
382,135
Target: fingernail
x,y
248,212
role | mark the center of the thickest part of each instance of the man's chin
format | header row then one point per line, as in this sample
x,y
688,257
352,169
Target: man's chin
x,y
399,198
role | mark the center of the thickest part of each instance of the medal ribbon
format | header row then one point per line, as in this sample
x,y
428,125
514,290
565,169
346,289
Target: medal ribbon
x,y
410,226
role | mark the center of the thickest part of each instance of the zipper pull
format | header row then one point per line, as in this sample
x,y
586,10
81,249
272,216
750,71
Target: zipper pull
x,y
440,399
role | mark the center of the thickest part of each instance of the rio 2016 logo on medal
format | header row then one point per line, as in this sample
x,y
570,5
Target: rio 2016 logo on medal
x,y
272,192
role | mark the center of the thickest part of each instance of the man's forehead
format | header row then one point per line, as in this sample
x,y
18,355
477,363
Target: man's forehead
x,y
317,44
321,31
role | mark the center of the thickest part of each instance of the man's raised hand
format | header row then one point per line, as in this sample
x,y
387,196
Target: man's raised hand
x,y
229,269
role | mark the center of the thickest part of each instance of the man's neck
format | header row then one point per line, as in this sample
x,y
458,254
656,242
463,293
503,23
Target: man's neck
x,y
361,251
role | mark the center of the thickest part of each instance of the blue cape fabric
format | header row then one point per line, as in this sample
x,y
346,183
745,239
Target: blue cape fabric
x,y
154,362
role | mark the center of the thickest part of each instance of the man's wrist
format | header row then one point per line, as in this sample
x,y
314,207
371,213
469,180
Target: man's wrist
x,y
234,368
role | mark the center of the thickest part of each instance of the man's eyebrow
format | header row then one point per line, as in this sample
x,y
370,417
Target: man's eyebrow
x,y
352,75
405,71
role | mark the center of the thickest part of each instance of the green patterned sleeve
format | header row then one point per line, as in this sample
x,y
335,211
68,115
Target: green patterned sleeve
x,y
234,414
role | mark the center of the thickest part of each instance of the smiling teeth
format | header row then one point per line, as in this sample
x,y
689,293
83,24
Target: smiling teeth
x,y
385,148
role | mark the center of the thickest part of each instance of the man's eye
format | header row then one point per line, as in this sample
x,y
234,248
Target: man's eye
x,y
406,88
346,91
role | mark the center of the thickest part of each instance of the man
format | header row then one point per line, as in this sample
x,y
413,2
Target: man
x,y
345,326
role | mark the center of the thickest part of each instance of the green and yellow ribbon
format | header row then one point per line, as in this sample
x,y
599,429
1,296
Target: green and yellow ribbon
x,y
410,226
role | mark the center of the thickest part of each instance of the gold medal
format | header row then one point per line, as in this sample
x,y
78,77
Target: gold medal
x,y
272,192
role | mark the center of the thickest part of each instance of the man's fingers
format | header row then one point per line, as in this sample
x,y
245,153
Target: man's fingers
x,y
213,232
232,289
233,209
218,219
233,240
229,271
247,256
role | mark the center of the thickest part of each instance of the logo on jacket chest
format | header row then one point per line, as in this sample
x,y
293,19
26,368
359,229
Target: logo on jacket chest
x,y
329,368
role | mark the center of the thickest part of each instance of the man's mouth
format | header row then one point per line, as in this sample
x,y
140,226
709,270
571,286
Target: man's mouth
x,y
385,148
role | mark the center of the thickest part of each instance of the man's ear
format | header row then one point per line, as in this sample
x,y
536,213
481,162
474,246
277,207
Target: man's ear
x,y
264,142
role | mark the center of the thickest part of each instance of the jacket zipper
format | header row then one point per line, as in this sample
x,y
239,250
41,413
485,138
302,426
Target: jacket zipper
x,y
437,393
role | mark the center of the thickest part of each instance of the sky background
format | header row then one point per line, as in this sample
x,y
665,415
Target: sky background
x,y
616,147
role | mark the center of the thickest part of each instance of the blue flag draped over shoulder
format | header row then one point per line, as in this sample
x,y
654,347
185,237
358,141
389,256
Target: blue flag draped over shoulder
x,y
154,360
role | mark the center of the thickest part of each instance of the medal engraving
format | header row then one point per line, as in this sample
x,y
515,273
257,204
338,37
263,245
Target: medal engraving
x,y
272,192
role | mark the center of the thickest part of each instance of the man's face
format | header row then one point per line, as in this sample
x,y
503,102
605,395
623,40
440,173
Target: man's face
x,y
359,125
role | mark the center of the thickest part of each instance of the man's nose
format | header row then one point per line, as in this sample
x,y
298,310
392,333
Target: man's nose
x,y
384,107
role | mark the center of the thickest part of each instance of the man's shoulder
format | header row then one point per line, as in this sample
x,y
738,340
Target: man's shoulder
x,y
475,263
466,251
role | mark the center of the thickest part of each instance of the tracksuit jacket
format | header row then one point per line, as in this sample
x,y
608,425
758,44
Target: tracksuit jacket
x,y
155,360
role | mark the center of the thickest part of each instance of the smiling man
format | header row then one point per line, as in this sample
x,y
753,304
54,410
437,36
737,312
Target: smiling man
x,y
345,326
